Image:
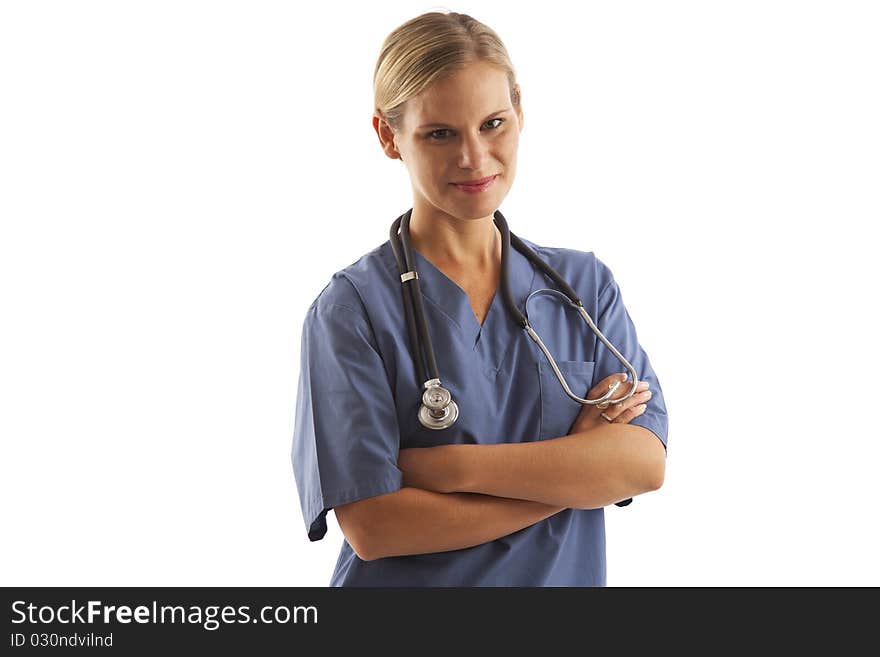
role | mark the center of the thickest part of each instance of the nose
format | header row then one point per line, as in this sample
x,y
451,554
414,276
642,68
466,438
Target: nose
x,y
473,152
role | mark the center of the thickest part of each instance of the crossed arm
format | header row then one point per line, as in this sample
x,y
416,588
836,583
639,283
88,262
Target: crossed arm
x,y
585,470
457,496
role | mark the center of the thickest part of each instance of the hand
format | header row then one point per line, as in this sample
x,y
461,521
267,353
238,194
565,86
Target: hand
x,y
429,468
623,413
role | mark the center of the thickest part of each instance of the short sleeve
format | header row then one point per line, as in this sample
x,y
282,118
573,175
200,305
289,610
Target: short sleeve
x,y
614,321
346,436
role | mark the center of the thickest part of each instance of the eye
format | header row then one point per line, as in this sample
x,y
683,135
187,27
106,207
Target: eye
x,y
440,133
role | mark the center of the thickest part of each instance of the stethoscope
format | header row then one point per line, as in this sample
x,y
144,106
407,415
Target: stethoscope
x,y
438,410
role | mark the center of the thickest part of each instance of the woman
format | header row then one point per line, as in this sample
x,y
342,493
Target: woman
x,y
511,494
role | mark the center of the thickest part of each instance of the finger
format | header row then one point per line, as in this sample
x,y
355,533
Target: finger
x,y
606,384
608,380
614,410
623,387
629,414
617,410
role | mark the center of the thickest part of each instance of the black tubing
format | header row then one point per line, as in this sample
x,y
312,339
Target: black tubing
x,y
414,346
520,246
421,323
501,222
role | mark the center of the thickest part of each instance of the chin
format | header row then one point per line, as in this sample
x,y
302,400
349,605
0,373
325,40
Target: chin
x,y
476,210
491,197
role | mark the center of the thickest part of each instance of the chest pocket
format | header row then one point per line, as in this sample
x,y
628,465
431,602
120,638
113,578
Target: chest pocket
x,y
558,410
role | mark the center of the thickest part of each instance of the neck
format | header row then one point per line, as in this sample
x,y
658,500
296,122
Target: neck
x,y
473,244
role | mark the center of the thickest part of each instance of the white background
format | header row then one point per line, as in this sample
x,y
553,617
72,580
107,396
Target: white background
x,y
179,180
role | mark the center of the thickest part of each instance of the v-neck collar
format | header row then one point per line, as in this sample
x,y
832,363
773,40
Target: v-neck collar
x,y
491,340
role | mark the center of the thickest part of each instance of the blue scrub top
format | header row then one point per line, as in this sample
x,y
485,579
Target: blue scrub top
x,y
358,401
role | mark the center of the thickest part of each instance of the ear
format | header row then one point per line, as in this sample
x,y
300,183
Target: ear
x,y
386,136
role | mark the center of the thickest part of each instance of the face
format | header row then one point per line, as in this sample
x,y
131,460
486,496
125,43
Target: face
x,y
461,128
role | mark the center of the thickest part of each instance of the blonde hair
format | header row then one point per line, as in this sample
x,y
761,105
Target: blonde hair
x,y
428,47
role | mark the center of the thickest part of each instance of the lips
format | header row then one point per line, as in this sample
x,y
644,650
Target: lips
x,y
475,183
476,187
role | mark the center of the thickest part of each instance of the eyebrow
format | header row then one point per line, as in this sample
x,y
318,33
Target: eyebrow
x,y
443,125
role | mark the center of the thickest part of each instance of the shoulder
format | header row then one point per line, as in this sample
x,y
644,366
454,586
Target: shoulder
x,y
347,289
584,270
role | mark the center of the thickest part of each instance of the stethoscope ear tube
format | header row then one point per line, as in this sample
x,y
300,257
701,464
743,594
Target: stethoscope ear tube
x,y
421,323
414,346
523,248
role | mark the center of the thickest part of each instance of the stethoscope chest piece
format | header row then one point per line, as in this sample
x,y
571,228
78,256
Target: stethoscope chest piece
x,y
438,411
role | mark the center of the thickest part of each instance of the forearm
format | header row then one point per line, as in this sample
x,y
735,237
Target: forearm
x,y
416,521
582,470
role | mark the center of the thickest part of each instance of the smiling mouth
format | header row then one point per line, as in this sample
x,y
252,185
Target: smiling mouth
x,y
475,183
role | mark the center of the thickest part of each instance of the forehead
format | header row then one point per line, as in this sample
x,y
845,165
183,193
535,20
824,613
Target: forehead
x,y
477,90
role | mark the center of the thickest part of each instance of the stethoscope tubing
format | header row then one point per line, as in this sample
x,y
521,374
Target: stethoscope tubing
x,y
409,292
508,238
